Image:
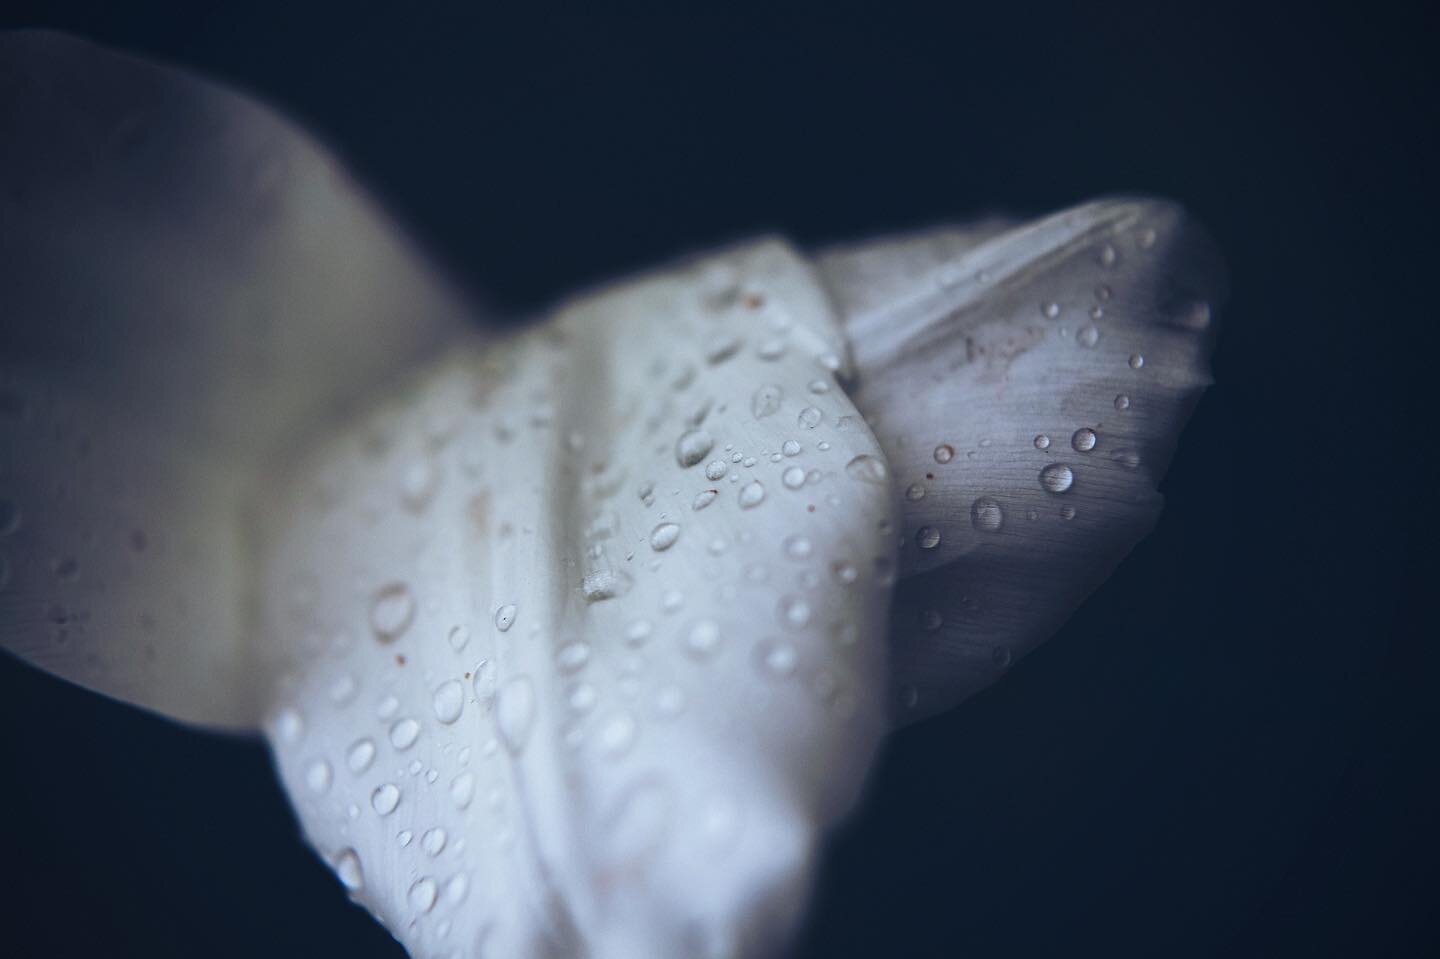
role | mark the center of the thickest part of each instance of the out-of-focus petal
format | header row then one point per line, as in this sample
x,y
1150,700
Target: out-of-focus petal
x,y
188,285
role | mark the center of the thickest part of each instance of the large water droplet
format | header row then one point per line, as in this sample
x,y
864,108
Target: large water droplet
x,y
692,447
317,776
927,537
1088,336
404,733
515,713
703,638
766,401
422,895
347,869
433,842
505,617
810,417
449,701
1083,440
867,469
986,515
664,536
1057,478
392,610
793,478
360,755
751,494
385,798
944,453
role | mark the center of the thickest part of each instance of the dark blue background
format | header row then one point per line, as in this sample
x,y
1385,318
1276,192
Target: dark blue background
x,y
1226,753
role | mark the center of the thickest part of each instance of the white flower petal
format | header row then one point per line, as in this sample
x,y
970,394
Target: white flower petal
x,y
1028,387
184,279
632,715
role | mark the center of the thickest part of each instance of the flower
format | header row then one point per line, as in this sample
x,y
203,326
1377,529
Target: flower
x,y
577,638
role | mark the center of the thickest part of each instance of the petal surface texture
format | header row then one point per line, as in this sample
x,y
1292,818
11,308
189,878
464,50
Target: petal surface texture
x,y
1028,386
186,281
581,633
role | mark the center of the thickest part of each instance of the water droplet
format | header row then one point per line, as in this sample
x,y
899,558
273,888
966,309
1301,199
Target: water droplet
x,y
1126,458
1088,336
289,726
794,612
810,417
1050,310
459,636
433,842
793,478
797,547
704,498
385,798
692,447
944,453
637,632
844,573
317,776
505,617
347,869
1067,512
1057,478
1108,256
343,689
360,756
462,790
449,701
776,658
572,657
1137,361
404,733
664,536
703,638
617,735
751,494
1122,402
720,347
986,515
422,895
391,611
927,537
867,469
1042,442
914,492
388,707
1083,440
515,713
1146,238
766,401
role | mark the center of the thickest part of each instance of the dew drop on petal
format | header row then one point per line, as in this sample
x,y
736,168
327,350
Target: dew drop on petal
x,y
766,401
793,478
663,537
867,469
360,755
944,453
927,537
1084,439
692,447
385,798
1057,478
752,494
392,610
422,895
449,701
986,514
515,713
703,638
505,617
810,417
